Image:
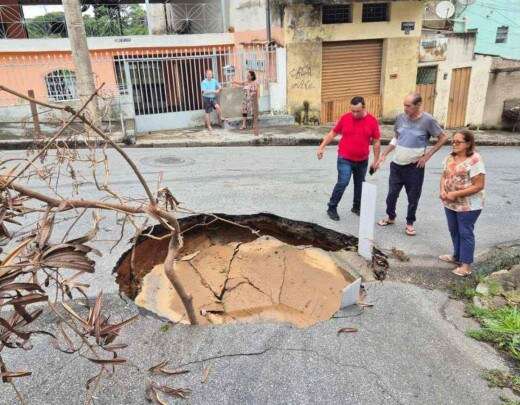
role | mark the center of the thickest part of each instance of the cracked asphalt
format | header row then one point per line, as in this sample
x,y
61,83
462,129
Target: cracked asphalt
x,y
410,347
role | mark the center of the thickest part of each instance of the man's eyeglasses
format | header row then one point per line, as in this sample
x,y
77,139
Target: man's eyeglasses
x,y
457,142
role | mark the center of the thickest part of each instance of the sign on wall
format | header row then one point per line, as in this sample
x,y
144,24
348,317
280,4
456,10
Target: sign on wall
x,y
252,63
433,49
407,26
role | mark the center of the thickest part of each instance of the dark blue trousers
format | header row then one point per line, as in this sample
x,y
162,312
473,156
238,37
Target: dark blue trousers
x,y
346,169
411,178
461,226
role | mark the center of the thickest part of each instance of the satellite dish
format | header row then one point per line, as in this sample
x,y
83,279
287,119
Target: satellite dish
x,y
445,9
466,2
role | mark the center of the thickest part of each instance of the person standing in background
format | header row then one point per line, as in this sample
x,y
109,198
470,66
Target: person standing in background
x,y
210,89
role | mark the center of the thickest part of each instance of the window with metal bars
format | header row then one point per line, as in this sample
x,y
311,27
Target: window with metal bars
x,y
121,76
502,33
61,85
374,12
427,75
336,14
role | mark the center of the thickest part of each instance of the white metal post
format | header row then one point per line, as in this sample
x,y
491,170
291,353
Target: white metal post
x,y
367,220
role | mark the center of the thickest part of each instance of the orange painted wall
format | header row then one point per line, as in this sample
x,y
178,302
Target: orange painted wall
x,y
27,71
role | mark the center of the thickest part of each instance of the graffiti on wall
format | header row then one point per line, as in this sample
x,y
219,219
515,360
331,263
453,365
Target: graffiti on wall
x,y
301,77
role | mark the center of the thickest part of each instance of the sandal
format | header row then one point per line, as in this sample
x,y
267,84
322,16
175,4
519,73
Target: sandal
x,y
461,273
448,259
386,222
410,231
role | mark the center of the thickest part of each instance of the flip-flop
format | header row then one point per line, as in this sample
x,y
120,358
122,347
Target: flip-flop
x,y
448,259
458,273
410,232
385,222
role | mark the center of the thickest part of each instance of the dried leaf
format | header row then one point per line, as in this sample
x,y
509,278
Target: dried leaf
x,y
347,330
46,225
27,299
117,360
14,253
6,376
92,379
160,369
21,286
111,348
91,234
205,375
173,392
152,395
187,258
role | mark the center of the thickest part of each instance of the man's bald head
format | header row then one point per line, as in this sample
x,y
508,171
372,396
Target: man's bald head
x,y
412,104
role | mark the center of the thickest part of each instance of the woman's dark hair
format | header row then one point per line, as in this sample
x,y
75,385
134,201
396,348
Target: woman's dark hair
x,y
469,138
252,74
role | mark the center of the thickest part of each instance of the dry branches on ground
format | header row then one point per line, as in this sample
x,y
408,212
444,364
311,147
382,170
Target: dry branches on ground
x,y
40,266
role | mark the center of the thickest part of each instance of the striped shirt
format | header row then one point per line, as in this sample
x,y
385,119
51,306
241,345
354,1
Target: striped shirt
x,y
412,136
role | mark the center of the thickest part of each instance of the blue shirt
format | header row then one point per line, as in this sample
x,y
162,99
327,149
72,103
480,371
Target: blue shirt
x,y
209,88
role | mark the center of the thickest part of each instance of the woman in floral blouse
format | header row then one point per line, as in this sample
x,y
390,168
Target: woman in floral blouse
x,y
462,193
250,102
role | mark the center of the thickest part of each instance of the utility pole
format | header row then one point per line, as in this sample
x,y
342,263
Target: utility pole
x,y
81,57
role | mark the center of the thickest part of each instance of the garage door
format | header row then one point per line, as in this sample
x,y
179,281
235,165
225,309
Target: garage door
x,y
350,69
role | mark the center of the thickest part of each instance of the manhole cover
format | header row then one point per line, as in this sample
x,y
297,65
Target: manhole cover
x,y
163,161
285,271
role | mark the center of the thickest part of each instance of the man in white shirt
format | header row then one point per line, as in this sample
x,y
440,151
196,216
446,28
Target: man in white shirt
x,y
413,130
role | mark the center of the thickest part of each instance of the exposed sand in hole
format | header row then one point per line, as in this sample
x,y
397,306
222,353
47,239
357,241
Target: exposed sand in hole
x,y
262,280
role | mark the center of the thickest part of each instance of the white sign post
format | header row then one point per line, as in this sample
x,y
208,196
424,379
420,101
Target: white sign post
x,y
367,220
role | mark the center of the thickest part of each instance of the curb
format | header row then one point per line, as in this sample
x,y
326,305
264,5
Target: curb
x,y
262,141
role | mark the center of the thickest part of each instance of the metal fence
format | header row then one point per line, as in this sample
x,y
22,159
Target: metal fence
x,y
170,81
138,82
115,20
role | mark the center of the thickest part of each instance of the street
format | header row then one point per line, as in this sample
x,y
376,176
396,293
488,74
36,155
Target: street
x,y
291,182
411,347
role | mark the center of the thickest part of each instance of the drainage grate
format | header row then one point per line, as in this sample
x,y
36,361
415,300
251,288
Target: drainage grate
x,y
166,161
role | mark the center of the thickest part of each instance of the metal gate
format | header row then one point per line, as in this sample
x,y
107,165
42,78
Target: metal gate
x,y
165,86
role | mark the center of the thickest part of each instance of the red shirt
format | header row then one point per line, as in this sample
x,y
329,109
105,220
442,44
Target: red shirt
x,y
357,136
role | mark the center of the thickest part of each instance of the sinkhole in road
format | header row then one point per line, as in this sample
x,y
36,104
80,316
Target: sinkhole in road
x,y
284,271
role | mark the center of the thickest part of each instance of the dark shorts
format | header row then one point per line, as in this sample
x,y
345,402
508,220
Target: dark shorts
x,y
209,104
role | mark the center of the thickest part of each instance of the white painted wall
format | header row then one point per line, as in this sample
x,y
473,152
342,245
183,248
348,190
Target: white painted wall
x,y
129,42
278,90
460,54
247,15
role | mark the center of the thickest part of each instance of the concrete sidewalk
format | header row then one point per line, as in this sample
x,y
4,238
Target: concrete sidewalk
x,y
284,136
269,136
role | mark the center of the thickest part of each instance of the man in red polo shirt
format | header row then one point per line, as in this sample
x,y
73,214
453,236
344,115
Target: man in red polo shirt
x,y
358,130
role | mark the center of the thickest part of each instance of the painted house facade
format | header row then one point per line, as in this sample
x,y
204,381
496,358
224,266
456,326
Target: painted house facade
x,y
338,51
153,79
497,24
